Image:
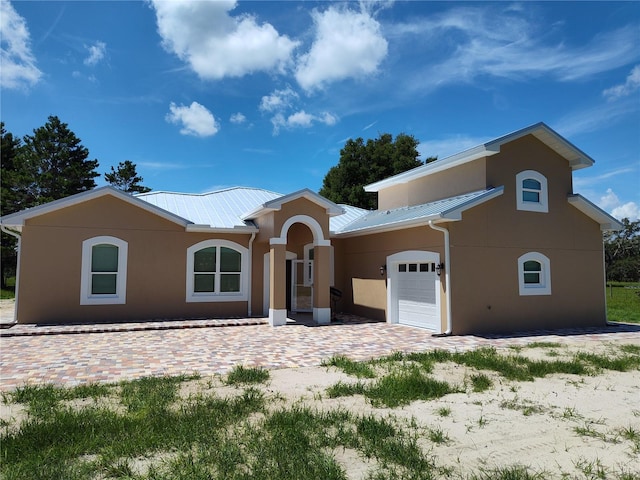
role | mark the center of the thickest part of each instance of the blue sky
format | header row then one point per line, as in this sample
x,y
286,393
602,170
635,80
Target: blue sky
x,y
206,95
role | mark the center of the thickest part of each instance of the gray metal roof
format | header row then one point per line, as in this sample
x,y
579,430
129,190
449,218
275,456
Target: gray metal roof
x,y
446,209
350,214
225,208
219,209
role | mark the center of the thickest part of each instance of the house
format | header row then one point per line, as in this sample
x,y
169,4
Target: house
x,y
492,239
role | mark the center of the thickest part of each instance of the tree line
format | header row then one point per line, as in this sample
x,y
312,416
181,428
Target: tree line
x,y
48,165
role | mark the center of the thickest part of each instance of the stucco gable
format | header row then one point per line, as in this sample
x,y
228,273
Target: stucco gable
x,y
17,220
276,204
577,158
606,221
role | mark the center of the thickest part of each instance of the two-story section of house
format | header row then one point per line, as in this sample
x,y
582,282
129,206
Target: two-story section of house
x,y
492,239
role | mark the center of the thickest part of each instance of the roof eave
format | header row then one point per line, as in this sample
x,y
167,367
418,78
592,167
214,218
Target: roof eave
x,y
17,219
606,221
451,215
577,158
210,229
393,226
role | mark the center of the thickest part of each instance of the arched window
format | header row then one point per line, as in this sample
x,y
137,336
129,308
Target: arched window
x,y
217,271
534,274
104,271
531,191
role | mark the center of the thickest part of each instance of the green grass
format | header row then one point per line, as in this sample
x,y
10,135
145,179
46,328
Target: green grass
x,y
145,430
623,302
241,375
201,437
400,387
481,382
407,376
10,291
350,367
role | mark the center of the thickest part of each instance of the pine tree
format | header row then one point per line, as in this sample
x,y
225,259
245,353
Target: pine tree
x,y
126,178
58,162
13,181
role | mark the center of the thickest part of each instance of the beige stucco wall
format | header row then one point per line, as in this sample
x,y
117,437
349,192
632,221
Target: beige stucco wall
x,y
358,261
50,265
488,241
466,178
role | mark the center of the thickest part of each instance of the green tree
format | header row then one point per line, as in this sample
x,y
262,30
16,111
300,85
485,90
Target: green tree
x,y
622,252
58,162
364,163
50,164
13,182
126,178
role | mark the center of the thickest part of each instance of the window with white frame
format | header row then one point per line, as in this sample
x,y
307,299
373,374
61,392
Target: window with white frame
x,y
531,192
534,274
217,271
104,271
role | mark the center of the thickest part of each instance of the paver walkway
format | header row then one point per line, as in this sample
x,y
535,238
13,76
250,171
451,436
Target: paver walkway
x,y
99,353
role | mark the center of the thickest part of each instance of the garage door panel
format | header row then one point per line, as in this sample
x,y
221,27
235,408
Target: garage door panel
x,y
417,303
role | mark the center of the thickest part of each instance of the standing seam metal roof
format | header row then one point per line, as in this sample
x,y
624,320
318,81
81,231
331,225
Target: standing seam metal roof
x,y
219,209
439,208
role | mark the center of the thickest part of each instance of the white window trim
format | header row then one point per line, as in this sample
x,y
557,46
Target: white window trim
x,y
541,206
240,296
544,288
120,297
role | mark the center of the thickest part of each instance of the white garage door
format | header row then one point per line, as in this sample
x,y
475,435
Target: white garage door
x,y
418,304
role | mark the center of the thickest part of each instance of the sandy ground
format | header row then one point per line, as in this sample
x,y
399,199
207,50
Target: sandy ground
x,y
527,423
563,425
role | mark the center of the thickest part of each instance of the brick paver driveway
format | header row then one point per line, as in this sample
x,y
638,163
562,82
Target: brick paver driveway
x,y
71,355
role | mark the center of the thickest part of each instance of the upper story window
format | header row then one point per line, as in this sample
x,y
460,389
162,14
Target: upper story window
x,y
217,271
531,191
104,271
534,274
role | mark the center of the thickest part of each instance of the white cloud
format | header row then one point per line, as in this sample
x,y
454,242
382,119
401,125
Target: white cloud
x,y
162,165
217,45
278,100
237,118
196,120
631,85
97,52
347,44
629,210
610,202
591,119
18,63
301,119
478,41
281,102
586,181
448,146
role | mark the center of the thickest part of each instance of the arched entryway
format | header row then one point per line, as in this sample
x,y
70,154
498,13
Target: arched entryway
x,y
306,277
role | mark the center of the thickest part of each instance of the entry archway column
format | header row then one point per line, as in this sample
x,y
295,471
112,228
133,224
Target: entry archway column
x,y
322,283
278,282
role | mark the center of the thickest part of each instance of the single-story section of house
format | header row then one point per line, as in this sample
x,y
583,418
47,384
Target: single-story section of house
x,y
492,239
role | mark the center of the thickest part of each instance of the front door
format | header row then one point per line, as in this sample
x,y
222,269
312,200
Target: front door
x,y
301,286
